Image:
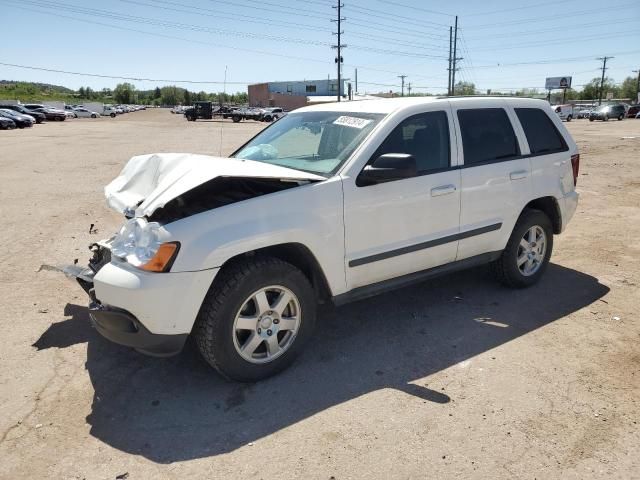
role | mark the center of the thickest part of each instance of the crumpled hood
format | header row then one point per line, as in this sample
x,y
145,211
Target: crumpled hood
x,y
157,178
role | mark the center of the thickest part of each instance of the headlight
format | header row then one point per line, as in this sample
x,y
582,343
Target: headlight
x,y
138,244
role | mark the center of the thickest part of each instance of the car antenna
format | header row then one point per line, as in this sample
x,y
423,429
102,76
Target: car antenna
x,y
224,94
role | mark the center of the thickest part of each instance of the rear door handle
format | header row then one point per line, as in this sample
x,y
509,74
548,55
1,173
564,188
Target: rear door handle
x,y
519,175
442,190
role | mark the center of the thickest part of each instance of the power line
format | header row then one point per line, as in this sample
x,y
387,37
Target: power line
x,y
121,77
535,5
559,41
404,5
552,61
544,30
220,14
199,28
401,18
549,18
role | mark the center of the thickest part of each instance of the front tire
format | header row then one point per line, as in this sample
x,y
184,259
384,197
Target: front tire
x,y
255,319
569,118
528,251
620,117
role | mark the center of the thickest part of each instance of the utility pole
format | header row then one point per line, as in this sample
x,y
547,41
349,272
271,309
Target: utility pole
x,y
637,99
604,69
402,77
455,58
339,46
450,59
409,88
356,80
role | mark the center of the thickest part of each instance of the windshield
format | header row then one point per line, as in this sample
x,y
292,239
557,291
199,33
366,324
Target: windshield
x,y
603,109
316,142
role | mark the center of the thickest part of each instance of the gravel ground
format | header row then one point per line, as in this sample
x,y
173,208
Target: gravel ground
x,y
454,378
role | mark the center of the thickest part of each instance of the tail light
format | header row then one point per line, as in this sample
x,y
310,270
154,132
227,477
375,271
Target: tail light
x,y
575,165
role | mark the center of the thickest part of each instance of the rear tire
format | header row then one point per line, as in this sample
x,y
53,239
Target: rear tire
x,y
508,269
620,117
113,115
569,118
235,119
224,345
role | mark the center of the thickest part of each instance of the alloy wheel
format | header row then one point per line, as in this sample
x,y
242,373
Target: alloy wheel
x,y
531,251
266,325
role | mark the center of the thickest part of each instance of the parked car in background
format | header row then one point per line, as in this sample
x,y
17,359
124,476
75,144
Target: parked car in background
x,y
271,114
565,112
85,113
70,111
237,252
52,113
583,113
39,117
109,111
19,119
6,123
633,111
605,112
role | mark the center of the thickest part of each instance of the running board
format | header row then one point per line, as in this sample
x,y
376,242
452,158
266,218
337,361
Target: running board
x,y
367,291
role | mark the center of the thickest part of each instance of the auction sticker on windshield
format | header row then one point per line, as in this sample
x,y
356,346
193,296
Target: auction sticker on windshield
x,y
353,122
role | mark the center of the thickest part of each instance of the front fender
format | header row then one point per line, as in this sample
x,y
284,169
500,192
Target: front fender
x,y
311,215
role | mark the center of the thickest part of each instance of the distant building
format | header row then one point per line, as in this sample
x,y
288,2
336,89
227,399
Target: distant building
x,y
294,94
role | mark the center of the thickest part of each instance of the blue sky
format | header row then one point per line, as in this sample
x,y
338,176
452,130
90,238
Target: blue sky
x,y
505,44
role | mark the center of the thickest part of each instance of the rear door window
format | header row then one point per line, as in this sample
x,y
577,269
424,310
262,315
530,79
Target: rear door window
x,y
487,135
541,133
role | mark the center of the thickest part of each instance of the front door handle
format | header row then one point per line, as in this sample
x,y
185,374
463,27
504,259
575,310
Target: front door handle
x,y
519,175
442,190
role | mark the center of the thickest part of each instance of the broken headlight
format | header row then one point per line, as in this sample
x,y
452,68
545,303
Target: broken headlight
x,y
137,242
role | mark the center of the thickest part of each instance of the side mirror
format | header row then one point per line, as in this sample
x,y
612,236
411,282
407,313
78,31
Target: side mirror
x,y
387,168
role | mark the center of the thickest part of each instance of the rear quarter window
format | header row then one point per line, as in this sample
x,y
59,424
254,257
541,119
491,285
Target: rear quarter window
x,y
542,135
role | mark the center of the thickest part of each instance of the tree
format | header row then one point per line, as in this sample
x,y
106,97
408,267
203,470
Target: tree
x,y
591,90
157,93
465,88
187,97
124,93
81,92
628,88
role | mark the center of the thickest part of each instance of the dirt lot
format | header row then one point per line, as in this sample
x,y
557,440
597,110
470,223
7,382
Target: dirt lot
x,y
454,378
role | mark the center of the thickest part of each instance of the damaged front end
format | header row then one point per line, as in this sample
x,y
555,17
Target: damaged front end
x,y
84,275
135,299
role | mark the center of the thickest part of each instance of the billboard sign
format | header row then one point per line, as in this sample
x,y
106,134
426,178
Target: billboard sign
x,y
551,83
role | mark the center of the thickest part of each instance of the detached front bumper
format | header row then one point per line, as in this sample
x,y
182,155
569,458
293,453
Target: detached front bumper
x,y
151,312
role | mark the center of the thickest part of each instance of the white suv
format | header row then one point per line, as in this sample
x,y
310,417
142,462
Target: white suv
x,y
333,202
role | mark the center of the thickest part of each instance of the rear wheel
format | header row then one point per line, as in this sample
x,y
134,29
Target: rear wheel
x,y
590,119
528,251
620,117
235,119
113,115
255,318
93,115
569,118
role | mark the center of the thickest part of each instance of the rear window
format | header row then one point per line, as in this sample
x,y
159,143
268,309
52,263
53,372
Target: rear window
x,y
487,135
541,133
